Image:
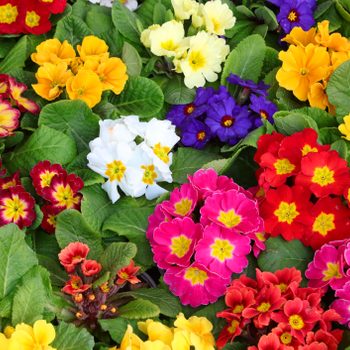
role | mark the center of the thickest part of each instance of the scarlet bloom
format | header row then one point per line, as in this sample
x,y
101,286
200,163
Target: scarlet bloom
x,y
128,274
268,143
50,216
232,330
75,285
285,211
90,267
324,173
34,18
321,337
10,181
268,342
72,255
53,6
9,23
283,332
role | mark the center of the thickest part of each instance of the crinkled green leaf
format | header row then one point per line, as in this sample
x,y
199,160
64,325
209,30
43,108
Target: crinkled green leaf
x,y
139,309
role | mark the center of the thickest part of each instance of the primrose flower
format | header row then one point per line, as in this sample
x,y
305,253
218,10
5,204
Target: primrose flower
x,y
93,48
34,19
195,134
50,213
9,118
90,267
145,35
184,9
156,331
265,108
128,274
73,254
344,128
75,285
114,131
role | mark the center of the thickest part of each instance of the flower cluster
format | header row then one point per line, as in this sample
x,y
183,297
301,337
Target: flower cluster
x,y
135,168
59,189
85,77
215,113
310,60
331,268
304,184
130,4
12,103
186,333
273,312
92,299
199,56
202,235
32,16
24,336
16,204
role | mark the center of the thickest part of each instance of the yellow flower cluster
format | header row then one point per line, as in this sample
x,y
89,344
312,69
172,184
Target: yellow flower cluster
x,y
198,57
85,76
187,333
344,128
25,337
310,60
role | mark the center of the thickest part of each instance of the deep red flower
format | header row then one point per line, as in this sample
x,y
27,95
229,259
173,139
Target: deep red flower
x,y
268,143
90,267
16,206
128,274
9,21
34,18
347,195
324,337
75,285
324,173
50,216
10,181
232,330
54,6
285,211
244,282
73,254
269,342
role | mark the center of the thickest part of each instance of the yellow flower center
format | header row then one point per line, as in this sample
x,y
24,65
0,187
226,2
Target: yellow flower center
x,y
307,149
263,114
332,271
201,135
222,249
264,307
32,19
286,338
115,170
149,174
227,121
304,71
283,166
195,276
65,196
260,236
189,109
168,45
180,245
323,224
229,218
8,184
124,275
286,212
52,219
296,322
292,16
8,14
233,326
282,287
238,309
14,208
162,152
196,60
46,177
183,206
323,176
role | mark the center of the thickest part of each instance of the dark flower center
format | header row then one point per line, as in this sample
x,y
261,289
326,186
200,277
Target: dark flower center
x,y
189,109
201,135
263,114
293,16
227,121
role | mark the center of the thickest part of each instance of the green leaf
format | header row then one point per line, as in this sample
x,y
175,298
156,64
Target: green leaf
x,y
159,13
99,20
286,100
72,227
16,258
69,337
246,60
338,89
74,118
168,304
116,327
271,60
187,160
328,135
321,117
141,96
176,93
139,309
44,144
73,29
268,16
31,297
341,147
280,254
293,122
132,60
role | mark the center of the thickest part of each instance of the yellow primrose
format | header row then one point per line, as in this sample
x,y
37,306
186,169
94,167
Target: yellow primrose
x,y
344,128
317,95
156,331
298,36
51,79
112,73
93,48
40,336
154,345
184,9
333,41
337,58
146,33
5,342
217,17
53,51
130,340
86,86
302,67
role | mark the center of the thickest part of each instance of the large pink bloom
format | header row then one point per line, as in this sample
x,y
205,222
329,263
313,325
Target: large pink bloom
x,y
174,242
195,285
232,210
223,251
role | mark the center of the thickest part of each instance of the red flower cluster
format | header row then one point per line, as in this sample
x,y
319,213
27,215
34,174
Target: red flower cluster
x,y
58,188
303,184
12,103
29,16
274,313
16,204
90,297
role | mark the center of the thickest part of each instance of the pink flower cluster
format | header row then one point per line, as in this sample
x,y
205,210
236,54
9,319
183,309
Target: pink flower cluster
x,y
331,268
203,234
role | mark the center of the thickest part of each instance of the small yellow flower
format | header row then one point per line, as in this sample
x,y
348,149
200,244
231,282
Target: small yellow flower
x,y
184,9
300,37
53,51
112,73
51,79
156,331
333,41
130,340
317,95
344,128
86,86
93,48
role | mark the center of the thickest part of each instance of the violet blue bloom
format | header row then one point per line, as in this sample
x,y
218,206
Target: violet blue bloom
x,y
259,88
312,3
263,107
195,134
